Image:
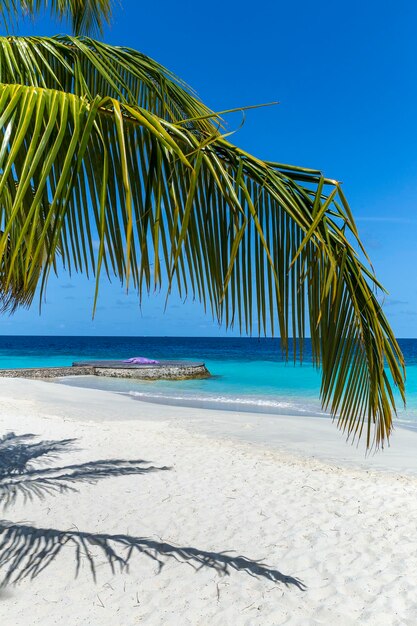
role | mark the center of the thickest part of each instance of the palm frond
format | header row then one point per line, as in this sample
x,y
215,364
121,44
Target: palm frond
x,y
263,245
89,68
86,16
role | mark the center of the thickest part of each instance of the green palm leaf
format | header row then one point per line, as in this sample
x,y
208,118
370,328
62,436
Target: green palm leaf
x,y
102,142
86,16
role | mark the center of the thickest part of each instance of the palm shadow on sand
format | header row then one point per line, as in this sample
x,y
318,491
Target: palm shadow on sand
x,y
25,551
19,478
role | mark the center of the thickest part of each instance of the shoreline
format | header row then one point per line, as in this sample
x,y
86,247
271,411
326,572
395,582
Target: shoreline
x,y
303,436
280,520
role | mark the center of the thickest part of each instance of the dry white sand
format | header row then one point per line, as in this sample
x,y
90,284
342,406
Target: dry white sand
x,y
306,529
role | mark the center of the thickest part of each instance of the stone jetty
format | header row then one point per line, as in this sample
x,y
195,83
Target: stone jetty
x,y
163,370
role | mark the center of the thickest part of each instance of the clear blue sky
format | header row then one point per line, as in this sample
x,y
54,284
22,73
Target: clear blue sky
x,y
345,74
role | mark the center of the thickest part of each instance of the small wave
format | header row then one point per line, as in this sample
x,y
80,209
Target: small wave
x,y
409,422
214,399
230,403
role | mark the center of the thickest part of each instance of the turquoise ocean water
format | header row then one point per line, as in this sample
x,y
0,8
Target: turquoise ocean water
x,y
248,374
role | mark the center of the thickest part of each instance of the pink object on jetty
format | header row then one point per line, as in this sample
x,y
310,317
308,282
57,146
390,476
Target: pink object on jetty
x,y
141,360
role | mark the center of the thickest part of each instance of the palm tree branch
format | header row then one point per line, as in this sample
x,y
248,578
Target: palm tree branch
x,y
86,16
89,68
256,242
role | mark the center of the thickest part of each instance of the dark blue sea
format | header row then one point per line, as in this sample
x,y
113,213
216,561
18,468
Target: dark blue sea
x,y
248,374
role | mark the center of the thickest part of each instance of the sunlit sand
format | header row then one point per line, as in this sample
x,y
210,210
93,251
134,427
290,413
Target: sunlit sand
x,y
167,515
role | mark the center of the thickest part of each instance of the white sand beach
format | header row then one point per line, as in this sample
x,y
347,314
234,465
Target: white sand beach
x,y
208,517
